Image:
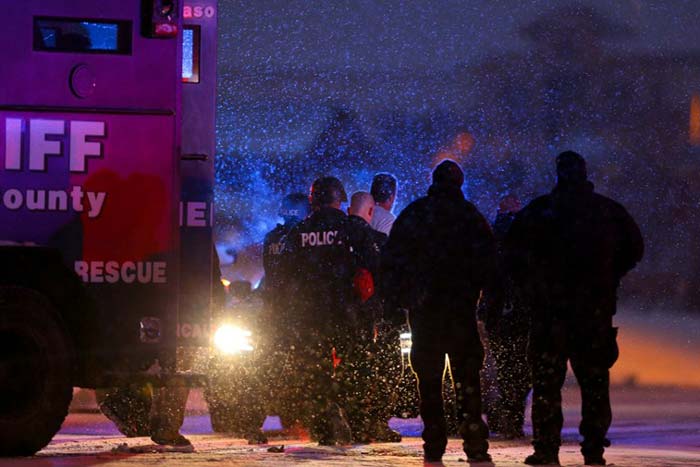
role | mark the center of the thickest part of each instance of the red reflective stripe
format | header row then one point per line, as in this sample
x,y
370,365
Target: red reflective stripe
x,y
336,359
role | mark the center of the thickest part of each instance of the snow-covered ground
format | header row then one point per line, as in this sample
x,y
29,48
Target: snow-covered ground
x,y
653,426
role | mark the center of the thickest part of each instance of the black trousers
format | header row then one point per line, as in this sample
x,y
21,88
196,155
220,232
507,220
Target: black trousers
x,y
591,348
433,337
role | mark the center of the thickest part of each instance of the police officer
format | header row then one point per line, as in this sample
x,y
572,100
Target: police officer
x,y
439,255
568,251
295,207
507,324
360,213
320,265
275,341
377,369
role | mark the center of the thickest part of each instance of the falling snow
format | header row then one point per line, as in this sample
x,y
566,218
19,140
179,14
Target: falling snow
x,y
352,88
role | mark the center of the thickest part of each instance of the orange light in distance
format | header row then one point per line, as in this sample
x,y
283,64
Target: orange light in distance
x,y
694,130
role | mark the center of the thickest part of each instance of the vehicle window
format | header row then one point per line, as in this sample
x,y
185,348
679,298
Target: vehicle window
x,y
82,35
190,54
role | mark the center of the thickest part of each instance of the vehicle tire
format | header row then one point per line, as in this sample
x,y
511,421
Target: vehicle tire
x,y
37,369
129,408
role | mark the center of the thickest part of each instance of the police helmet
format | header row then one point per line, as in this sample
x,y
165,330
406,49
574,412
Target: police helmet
x,y
295,205
327,190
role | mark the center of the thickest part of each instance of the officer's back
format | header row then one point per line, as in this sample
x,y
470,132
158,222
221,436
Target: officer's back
x,y
367,242
295,207
321,264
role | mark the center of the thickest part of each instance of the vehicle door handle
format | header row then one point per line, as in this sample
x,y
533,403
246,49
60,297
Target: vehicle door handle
x,y
194,157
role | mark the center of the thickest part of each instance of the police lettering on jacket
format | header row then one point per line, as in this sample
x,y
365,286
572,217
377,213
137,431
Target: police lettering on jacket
x,y
275,248
322,238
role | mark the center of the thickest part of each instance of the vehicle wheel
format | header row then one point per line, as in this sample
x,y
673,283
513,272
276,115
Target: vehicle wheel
x,y
128,407
36,371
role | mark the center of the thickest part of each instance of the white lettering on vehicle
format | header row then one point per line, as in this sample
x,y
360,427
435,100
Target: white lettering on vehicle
x,y
194,214
192,330
45,140
80,147
326,237
111,272
75,198
198,12
13,143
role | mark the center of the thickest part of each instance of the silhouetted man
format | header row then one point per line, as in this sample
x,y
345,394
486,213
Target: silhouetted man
x,y
568,252
439,256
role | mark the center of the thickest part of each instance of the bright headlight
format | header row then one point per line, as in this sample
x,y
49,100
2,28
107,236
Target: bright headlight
x,y
232,340
405,342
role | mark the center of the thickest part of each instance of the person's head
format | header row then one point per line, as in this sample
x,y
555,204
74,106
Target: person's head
x,y
571,168
295,207
383,190
448,174
327,191
509,204
361,205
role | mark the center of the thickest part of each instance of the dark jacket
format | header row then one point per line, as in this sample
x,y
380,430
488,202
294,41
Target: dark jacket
x,y
501,307
273,247
569,249
501,225
367,244
320,265
440,248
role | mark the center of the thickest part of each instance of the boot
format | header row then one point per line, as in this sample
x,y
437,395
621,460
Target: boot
x,y
256,437
542,458
381,433
170,439
595,459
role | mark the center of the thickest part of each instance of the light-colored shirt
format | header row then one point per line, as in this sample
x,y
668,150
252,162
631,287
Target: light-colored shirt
x,y
382,220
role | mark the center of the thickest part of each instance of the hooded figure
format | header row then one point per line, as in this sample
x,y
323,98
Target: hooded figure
x,y
567,252
440,254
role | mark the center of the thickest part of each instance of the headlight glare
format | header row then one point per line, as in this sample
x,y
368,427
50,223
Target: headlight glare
x,y
232,340
406,342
